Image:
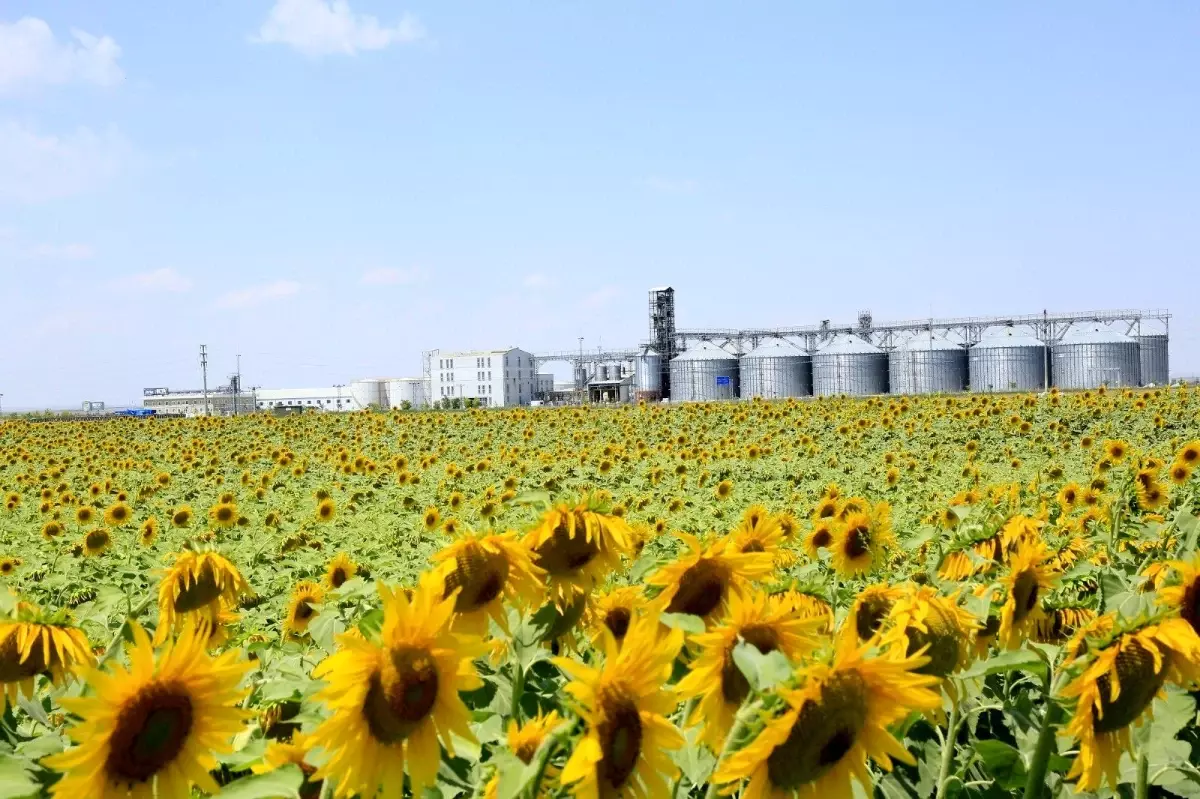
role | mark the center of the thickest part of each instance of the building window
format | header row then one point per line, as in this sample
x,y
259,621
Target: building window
x,y
489,361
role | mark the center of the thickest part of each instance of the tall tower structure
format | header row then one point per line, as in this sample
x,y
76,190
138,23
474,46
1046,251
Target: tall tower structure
x,y
662,330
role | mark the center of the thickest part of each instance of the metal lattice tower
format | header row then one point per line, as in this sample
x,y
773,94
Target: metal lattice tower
x,y
662,330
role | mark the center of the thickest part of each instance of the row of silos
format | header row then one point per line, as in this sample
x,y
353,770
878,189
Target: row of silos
x,y
1086,357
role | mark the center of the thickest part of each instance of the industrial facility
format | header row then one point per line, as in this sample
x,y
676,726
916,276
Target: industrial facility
x,y
982,354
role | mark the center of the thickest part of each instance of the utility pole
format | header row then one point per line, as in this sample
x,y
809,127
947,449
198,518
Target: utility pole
x,y
204,371
237,388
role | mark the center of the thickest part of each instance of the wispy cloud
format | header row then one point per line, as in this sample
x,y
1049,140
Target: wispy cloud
x,y
36,167
65,252
390,276
31,55
165,279
329,27
258,295
601,297
663,185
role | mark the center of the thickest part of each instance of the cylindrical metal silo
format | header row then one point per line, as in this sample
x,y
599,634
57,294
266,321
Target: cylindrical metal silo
x,y
847,364
1153,359
1007,360
776,369
369,391
1090,356
704,372
926,364
647,375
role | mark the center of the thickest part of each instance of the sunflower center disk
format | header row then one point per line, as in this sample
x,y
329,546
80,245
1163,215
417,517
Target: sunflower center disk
x,y
401,695
11,667
200,592
617,620
620,740
871,614
858,542
150,732
1025,594
1190,607
1139,684
734,685
701,589
821,539
825,730
564,553
480,574
337,577
943,638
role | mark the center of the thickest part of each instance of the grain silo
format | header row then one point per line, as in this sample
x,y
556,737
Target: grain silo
x,y
703,373
1093,355
412,390
776,369
370,392
847,364
927,364
647,375
1153,358
1007,360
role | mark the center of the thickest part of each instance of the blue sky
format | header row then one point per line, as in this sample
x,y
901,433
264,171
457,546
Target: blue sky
x,y
329,189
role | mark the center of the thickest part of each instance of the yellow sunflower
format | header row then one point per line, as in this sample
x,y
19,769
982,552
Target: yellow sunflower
x,y
859,544
524,740
300,611
769,624
431,518
624,705
1027,580
836,719
577,547
821,536
32,643
871,607
702,580
181,516
481,571
935,626
223,514
96,542
148,531
391,700
118,514
1183,595
196,583
326,510
1121,675
339,570
613,611
285,753
152,730
758,531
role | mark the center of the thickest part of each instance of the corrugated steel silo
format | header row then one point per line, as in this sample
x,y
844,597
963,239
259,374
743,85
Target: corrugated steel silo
x,y
1007,360
776,369
926,364
847,364
1153,359
370,391
647,374
1090,356
703,373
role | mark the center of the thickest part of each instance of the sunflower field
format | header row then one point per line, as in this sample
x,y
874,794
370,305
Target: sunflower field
x,y
902,597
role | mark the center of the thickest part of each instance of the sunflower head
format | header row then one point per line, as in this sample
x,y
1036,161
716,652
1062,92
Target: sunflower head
x,y
480,571
148,532
339,570
223,514
96,541
118,515
326,510
197,582
301,607
701,581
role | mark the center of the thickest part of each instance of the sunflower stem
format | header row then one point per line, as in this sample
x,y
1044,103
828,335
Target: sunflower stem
x,y
1141,788
544,754
948,751
518,688
120,633
744,715
1036,779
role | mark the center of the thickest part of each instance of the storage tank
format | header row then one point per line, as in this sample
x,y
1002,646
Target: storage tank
x,y
406,389
1153,359
370,391
1093,355
703,373
776,369
847,364
927,364
647,374
1007,360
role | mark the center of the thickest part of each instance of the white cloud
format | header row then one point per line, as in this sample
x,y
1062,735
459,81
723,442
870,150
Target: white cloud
x,y
328,27
536,281
257,295
671,185
37,167
31,55
390,276
165,279
601,297
66,252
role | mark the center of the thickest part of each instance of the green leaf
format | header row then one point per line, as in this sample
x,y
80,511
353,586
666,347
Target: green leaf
x,y
282,783
371,624
1020,660
16,780
763,672
923,537
683,621
537,498
1003,762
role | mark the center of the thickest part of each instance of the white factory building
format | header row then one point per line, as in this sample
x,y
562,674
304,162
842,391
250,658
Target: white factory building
x,y
493,377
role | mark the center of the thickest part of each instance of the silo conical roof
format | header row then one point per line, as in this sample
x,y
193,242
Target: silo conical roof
x,y
775,348
847,344
704,351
